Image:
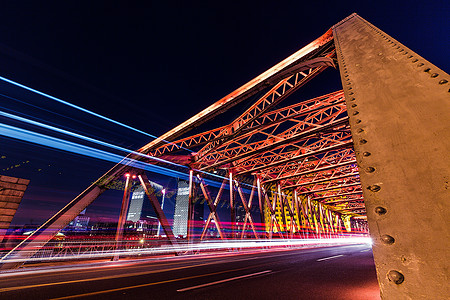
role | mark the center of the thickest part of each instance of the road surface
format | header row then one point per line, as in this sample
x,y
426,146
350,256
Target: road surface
x,y
342,272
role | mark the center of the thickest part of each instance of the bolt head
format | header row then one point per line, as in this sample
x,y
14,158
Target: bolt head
x,y
374,188
387,239
370,169
380,210
395,277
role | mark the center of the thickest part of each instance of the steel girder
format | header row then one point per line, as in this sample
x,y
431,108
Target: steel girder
x,y
294,148
399,116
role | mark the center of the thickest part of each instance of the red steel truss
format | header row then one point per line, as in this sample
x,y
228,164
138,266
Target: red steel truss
x,y
294,163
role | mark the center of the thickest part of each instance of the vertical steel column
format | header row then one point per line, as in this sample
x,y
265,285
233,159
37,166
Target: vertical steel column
x,y
190,207
162,208
399,106
232,211
261,207
283,213
299,215
122,215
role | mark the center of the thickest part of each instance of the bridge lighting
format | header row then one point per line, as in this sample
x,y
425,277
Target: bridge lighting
x,y
127,175
134,177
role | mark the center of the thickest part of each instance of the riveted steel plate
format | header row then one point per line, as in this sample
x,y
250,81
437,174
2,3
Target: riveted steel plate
x,y
403,152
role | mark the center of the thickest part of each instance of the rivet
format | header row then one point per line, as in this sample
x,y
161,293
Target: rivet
x,y
355,113
366,153
387,239
354,105
351,93
434,75
409,56
362,141
349,87
358,121
401,50
374,188
349,83
415,60
370,169
380,210
380,54
443,81
395,276
427,70
419,65
353,99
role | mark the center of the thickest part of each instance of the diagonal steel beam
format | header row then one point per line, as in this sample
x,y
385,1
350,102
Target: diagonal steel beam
x,y
340,186
148,189
310,171
337,195
247,90
299,157
280,143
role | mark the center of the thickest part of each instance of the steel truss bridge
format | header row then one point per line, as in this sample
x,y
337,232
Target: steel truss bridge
x,y
378,150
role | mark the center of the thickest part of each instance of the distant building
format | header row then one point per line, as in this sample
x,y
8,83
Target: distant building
x,y
80,223
136,205
140,207
180,218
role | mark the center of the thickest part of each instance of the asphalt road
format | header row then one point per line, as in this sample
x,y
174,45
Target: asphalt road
x,y
342,272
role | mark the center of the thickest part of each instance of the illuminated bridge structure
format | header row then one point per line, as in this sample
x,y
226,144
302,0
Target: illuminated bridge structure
x,y
378,150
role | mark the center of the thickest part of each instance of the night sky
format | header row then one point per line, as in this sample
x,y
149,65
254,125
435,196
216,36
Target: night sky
x,y
152,66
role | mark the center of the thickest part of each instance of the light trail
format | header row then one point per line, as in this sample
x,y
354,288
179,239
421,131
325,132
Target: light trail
x,y
82,137
81,109
115,122
92,140
60,144
257,245
107,119
75,106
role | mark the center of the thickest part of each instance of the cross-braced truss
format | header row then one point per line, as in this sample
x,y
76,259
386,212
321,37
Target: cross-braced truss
x,y
293,164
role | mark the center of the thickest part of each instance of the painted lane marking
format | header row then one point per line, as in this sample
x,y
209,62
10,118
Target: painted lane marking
x,y
144,285
330,257
222,281
99,278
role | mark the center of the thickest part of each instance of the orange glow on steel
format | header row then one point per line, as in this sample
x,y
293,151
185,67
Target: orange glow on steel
x,y
246,87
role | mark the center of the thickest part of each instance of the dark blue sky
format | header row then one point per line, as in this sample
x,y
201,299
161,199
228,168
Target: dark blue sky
x,y
154,65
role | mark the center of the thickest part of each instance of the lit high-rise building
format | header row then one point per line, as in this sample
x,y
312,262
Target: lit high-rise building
x,y
140,207
136,203
180,217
